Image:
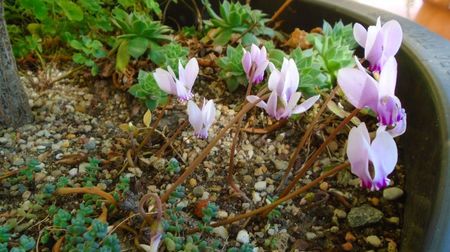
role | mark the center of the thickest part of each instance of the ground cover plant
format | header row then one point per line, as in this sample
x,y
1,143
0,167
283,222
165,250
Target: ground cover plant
x,y
229,135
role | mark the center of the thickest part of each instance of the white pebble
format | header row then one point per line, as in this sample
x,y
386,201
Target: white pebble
x,y
261,186
243,236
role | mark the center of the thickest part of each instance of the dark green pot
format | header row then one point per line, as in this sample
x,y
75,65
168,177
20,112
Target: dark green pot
x,y
424,89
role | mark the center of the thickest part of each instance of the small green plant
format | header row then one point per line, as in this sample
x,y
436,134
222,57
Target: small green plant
x,y
138,33
231,70
83,233
334,48
169,55
235,18
244,248
91,171
32,167
173,166
147,91
90,51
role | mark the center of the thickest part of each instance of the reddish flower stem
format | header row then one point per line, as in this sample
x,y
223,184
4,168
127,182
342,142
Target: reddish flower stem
x,y
160,152
314,156
152,129
304,138
280,200
234,144
190,169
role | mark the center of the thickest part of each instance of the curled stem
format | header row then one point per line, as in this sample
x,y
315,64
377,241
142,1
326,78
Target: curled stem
x,y
304,138
280,200
88,190
190,169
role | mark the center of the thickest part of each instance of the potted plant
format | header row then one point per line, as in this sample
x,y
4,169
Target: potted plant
x,y
150,185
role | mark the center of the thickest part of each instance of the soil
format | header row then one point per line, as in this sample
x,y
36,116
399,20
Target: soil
x,y
76,119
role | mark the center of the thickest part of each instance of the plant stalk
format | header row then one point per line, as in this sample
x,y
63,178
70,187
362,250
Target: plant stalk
x,y
190,169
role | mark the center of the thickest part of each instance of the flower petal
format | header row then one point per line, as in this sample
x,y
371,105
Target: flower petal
x,y
360,34
358,153
384,159
359,88
400,127
191,73
246,62
274,83
165,81
272,105
208,114
195,116
388,78
374,45
392,36
254,98
306,105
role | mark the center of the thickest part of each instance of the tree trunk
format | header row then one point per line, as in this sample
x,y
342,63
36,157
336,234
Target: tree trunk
x,y
14,108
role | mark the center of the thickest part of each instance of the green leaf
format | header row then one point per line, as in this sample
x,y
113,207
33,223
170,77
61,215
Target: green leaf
x,y
123,57
223,37
37,7
76,44
26,242
72,11
137,46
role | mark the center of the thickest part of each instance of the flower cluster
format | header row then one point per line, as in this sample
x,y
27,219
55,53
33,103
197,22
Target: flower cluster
x,y
375,89
282,102
200,119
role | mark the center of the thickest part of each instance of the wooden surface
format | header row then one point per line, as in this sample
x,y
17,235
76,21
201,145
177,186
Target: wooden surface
x,y
433,14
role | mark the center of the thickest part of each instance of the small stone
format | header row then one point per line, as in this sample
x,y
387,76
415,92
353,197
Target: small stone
x,y
248,179
334,229
280,164
392,193
243,236
221,232
70,136
245,205
18,161
260,171
26,195
82,168
374,201
261,186
198,191
323,186
347,246
256,197
73,172
392,246
193,182
350,237
393,220
373,240
136,171
341,214
91,144
310,236
222,214
361,216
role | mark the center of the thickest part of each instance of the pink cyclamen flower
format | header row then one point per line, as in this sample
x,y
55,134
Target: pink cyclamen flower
x,y
201,119
255,63
282,102
379,42
362,91
381,153
181,87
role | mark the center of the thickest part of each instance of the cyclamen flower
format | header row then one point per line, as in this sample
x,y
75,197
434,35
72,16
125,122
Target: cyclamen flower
x,y
362,91
181,87
255,63
380,42
282,102
201,119
381,153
